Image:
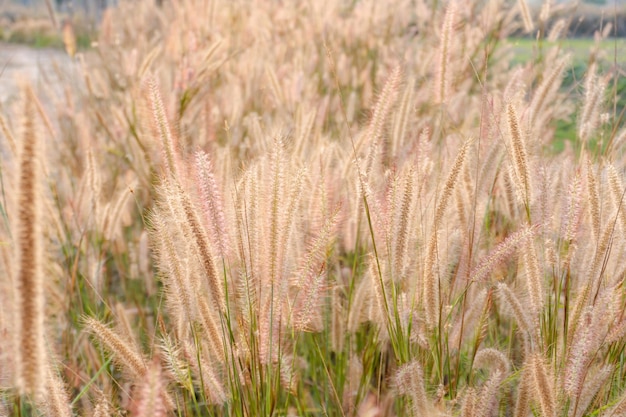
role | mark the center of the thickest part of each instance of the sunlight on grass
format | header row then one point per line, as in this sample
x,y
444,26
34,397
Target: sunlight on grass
x,y
315,209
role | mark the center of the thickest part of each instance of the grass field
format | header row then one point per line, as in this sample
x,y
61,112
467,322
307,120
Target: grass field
x,y
316,209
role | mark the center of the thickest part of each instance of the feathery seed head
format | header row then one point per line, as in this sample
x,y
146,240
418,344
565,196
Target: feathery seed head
x,y
124,353
30,352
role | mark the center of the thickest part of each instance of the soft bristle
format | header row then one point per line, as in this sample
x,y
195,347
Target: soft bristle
x,y
149,399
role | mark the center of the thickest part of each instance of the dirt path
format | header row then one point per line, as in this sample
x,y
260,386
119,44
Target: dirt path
x,y
39,66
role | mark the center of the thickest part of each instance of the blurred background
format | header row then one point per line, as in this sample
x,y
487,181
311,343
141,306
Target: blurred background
x,y
29,22
36,35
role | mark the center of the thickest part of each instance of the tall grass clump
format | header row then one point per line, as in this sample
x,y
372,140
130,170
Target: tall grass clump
x,y
315,209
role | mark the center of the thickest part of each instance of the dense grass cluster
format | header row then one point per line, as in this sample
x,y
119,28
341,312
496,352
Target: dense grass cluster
x,y
315,208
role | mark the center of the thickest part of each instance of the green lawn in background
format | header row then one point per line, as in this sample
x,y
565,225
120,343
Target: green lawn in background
x,y
611,50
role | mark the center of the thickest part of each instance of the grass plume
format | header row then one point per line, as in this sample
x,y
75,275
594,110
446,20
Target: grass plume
x,y
31,363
